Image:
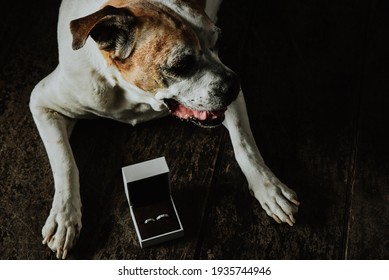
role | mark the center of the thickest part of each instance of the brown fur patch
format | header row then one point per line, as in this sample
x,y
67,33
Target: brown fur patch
x,y
157,34
123,3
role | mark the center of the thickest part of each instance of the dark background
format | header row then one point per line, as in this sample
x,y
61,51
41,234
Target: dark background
x,y
315,76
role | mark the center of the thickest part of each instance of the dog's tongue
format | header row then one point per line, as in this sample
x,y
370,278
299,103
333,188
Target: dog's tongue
x,y
183,112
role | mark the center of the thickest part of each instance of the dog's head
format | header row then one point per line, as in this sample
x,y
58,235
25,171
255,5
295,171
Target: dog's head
x,y
161,52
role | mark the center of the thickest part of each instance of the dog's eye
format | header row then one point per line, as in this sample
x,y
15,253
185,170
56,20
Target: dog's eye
x,y
181,66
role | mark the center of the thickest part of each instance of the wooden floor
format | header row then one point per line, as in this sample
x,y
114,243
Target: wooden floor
x,y
316,81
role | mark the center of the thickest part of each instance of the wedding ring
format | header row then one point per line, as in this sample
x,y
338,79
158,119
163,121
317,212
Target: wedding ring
x,y
162,216
149,220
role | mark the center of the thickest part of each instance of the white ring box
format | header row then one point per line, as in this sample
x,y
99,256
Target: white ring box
x,y
147,187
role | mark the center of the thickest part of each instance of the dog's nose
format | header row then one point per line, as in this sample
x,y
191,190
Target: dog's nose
x,y
227,88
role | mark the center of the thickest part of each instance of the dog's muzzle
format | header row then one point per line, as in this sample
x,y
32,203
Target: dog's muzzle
x,y
222,93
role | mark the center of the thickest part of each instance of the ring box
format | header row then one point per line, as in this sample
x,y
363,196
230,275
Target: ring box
x,y
147,187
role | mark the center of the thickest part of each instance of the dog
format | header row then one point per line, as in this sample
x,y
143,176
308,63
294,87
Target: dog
x,y
134,61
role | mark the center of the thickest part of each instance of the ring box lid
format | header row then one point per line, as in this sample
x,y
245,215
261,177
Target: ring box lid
x,y
147,182
147,187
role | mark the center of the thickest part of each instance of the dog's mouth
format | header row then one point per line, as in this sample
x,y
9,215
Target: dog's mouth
x,y
208,119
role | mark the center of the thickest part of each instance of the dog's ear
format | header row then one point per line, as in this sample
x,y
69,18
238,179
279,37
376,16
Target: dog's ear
x,y
111,28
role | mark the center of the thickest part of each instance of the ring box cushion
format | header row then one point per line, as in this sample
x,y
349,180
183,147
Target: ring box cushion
x,y
157,227
147,187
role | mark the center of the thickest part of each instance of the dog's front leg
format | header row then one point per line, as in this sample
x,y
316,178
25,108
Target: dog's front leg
x,y
63,225
278,200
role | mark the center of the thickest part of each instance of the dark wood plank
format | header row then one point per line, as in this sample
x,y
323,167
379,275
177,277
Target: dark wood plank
x,y
369,226
25,25
25,178
320,129
299,76
101,148
108,232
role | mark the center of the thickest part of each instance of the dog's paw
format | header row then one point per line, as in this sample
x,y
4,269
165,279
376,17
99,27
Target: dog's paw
x,y
279,201
62,228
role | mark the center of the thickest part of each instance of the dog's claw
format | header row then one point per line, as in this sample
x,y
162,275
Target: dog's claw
x,y
59,253
295,202
46,240
289,222
275,217
64,254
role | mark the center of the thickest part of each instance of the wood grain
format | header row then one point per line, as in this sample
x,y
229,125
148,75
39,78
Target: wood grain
x,y
303,118
25,176
315,80
191,154
369,203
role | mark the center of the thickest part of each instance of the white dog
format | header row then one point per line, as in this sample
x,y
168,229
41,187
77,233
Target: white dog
x,y
133,61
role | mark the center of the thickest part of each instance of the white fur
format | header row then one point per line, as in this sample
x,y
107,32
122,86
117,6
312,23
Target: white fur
x,y
83,86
